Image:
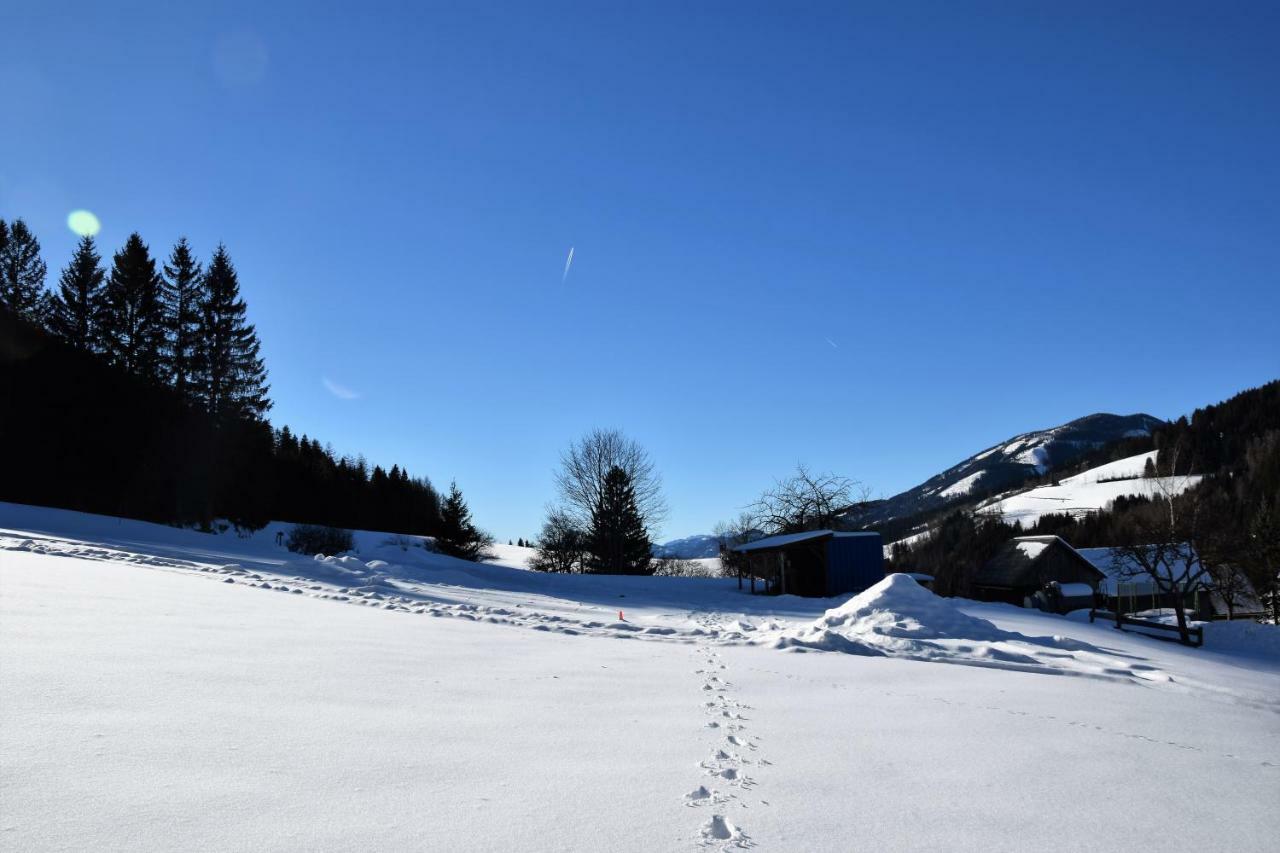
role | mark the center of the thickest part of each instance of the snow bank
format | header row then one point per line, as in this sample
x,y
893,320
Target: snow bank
x,y
891,617
899,618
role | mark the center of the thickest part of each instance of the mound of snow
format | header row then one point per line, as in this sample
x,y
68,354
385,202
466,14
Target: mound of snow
x,y
899,618
899,607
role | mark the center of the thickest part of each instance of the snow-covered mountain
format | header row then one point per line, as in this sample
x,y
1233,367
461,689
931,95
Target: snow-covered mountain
x,y
1007,464
689,548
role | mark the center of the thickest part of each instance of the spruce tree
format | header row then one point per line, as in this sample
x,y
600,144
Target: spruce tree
x,y
617,540
183,295
133,314
22,273
75,312
458,536
233,376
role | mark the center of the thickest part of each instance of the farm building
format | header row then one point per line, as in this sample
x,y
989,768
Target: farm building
x,y
1027,565
818,563
1128,588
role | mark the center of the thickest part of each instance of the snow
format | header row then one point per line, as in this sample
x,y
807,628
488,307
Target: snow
x,y
1037,456
170,689
792,538
1132,467
513,556
962,486
1032,547
1080,494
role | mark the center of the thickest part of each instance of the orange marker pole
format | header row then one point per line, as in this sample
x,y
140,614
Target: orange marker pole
x,y
621,618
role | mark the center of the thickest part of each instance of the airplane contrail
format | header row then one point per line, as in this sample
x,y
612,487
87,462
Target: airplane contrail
x,y
834,345
340,391
568,262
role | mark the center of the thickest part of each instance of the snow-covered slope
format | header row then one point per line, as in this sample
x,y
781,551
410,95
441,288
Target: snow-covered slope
x,y
1088,491
1008,463
165,689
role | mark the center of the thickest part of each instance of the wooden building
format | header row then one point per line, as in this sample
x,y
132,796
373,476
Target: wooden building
x,y
817,563
1027,565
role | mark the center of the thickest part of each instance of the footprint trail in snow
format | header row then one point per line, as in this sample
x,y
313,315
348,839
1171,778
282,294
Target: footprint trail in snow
x,y
729,790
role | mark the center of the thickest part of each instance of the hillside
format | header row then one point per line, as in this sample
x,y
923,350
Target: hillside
x,y
1006,465
1089,491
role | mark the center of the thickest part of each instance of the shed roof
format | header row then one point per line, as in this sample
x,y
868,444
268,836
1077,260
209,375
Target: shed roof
x,y
1121,568
786,539
1014,564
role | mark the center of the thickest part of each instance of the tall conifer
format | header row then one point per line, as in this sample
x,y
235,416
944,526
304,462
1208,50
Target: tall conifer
x,y
22,273
133,314
617,540
76,309
458,535
183,294
233,375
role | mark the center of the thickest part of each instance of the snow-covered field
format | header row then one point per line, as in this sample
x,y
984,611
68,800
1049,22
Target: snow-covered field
x,y
166,689
1088,491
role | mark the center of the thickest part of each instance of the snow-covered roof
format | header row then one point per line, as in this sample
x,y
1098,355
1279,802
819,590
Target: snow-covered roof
x,y
1013,564
1123,569
792,538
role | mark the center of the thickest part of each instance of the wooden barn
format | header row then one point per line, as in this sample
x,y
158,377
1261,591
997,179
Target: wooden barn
x,y
1026,565
817,563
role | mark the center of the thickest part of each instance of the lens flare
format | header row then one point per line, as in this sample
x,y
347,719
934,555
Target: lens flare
x,y
84,223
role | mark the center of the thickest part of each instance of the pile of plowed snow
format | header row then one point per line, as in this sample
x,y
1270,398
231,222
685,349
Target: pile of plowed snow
x,y
899,618
891,618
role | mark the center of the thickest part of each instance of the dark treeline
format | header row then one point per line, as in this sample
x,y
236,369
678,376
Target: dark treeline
x,y
1234,446
139,390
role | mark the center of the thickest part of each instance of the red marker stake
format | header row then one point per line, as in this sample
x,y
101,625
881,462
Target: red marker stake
x,y
621,618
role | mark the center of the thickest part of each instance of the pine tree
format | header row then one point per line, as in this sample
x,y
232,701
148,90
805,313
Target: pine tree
x,y
617,539
458,535
22,273
75,312
233,375
133,315
183,295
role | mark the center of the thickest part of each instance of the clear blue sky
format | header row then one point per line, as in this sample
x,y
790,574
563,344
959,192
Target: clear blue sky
x,y
871,237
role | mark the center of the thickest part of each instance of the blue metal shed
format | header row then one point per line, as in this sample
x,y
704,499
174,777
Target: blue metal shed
x,y
855,561
815,563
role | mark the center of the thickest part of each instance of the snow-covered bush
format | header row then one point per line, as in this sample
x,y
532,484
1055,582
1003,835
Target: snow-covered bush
x,y
319,539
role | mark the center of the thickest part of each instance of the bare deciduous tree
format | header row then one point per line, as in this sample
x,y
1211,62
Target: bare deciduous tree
x,y
806,501
561,545
585,466
1224,551
731,534
1161,544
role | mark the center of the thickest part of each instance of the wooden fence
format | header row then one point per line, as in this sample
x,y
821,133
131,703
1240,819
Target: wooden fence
x,y
1196,633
